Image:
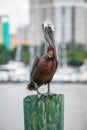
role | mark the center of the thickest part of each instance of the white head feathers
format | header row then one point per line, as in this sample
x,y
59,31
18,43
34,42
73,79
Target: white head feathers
x,y
48,23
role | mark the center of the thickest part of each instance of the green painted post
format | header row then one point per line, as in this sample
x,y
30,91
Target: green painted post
x,y
46,113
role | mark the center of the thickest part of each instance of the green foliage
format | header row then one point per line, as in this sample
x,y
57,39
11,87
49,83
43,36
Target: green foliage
x,y
25,54
42,49
76,57
6,55
77,46
46,113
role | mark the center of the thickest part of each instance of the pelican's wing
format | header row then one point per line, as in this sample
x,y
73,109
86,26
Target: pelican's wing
x,y
35,63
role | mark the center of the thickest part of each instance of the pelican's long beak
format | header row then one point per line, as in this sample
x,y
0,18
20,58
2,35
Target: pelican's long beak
x,y
48,30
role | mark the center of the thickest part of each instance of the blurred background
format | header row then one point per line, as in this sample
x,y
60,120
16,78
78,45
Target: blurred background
x,y
21,39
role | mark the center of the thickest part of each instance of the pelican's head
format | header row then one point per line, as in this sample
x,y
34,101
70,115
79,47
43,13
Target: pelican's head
x,y
48,30
47,25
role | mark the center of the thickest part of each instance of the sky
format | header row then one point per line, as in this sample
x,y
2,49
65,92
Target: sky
x,y
18,12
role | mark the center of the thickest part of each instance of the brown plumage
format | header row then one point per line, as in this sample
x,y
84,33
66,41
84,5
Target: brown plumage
x,y
44,67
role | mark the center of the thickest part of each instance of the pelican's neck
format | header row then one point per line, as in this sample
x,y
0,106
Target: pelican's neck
x,y
51,52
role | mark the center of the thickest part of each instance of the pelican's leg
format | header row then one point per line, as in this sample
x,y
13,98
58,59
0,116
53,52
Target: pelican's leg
x,y
38,93
49,93
48,89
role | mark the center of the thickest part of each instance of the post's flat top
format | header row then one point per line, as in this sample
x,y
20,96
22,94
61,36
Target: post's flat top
x,y
52,96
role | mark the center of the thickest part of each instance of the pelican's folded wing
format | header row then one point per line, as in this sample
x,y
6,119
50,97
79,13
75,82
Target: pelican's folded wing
x,y
34,65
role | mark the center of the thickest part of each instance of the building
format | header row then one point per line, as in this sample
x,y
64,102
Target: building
x,y
38,14
71,25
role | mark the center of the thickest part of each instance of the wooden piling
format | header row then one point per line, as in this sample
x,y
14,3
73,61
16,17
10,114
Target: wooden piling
x,y
46,113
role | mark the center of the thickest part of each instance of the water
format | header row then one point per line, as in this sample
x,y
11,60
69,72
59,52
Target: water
x,y
11,105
